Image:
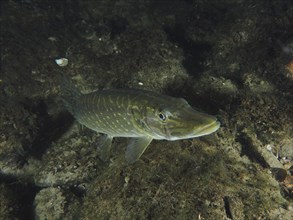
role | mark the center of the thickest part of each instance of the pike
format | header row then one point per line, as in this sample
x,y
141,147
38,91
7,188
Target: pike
x,y
137,114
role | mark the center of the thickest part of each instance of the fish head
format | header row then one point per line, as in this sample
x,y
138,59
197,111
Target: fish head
x,y
176,119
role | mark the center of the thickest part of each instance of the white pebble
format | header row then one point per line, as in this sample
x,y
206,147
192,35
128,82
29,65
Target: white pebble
x,y
61,62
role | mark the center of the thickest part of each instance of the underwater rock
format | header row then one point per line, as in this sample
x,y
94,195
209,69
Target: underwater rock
x,y
56,203
256,84
286,151
50,204
67,162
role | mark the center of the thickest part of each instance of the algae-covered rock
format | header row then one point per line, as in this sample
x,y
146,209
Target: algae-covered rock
x,y
55,203
202,181
49,204
68,162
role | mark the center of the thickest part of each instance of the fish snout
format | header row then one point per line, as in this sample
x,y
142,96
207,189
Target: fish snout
x,y
195,125
208,128
205,125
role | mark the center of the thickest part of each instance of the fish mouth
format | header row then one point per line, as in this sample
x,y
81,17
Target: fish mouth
x,y
197,132
208,129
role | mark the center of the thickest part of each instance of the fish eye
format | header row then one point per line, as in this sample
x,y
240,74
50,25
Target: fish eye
x,y
162,116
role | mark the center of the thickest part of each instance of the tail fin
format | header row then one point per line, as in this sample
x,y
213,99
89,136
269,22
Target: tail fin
x,y
69,94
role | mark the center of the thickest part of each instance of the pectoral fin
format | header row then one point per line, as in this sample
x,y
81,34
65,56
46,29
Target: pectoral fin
x,y
104,147
136,147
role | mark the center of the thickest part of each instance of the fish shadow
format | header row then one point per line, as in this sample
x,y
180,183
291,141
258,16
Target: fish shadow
x,y
52,128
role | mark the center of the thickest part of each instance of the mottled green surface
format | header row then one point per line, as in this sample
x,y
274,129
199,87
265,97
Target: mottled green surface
x,y
226,58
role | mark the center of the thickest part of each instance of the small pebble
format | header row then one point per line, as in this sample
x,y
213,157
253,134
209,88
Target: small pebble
x,y
61,62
